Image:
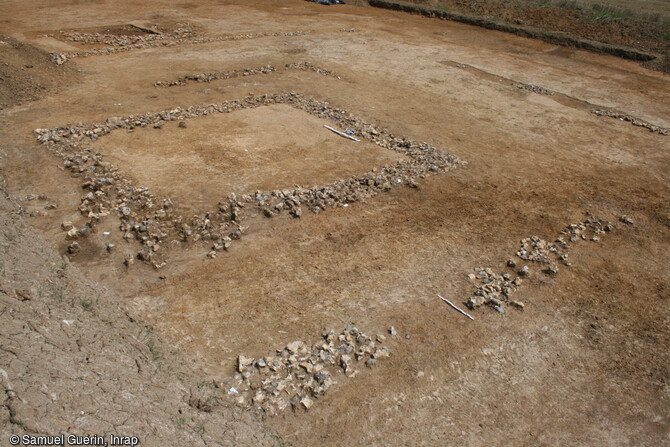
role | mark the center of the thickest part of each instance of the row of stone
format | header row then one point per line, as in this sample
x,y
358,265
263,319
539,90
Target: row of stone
x,y
183,30
634,121
496,289
172,42
534,88
110,39
152,221
209,77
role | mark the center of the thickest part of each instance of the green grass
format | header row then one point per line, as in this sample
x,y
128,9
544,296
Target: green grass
x,y
604,16
153,349
86,303
58,292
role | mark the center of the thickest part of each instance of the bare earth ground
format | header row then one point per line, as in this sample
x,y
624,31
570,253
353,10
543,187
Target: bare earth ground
x,y
226,151
587,361
641,25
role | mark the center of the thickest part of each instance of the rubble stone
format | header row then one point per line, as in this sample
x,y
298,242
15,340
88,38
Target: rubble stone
x,y
74,248
298,374
186,35
627,220
142,216
534,88
518,304
634,121
496,289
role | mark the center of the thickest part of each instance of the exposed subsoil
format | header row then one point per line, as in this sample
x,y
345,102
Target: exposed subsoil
x,y
603,26
126,309
27,73
612,26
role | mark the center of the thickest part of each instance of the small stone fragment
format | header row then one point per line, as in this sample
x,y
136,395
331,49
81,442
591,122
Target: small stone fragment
x,y
551,269
74,248
294,347
627,220
243,363
306,402
23,295
518,304
474,302
382,353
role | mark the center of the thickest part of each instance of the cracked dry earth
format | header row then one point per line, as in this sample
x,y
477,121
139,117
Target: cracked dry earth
x,y
73,361
135,330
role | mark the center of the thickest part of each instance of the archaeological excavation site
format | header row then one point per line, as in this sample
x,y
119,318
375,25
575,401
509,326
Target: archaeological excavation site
x,y
311,222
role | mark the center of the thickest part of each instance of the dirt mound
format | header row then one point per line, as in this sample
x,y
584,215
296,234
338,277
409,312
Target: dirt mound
x,y
27,73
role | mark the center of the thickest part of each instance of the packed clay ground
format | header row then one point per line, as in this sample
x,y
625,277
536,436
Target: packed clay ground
x,y
140,297
641,25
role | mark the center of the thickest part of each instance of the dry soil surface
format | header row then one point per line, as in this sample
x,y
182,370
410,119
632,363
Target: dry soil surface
x,y
585,363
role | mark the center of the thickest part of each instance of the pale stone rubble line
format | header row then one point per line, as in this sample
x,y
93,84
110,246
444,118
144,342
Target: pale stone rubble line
x,y
209,77
153,221
631,119
533,88
599,111
184,31
496,289
60,58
